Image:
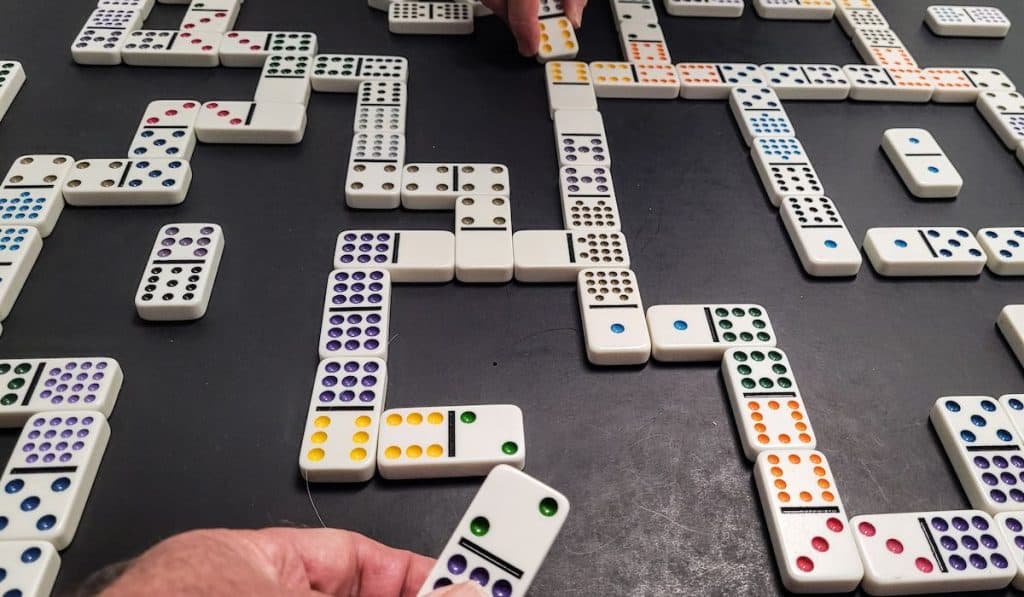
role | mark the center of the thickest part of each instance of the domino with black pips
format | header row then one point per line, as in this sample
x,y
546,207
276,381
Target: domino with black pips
x,y
759,113
588,198
785,168
1004,112
178,280
343,73
430,18
284,79
250,49
702,333
732,9
964,85
820,236
873,83
380,106
716,79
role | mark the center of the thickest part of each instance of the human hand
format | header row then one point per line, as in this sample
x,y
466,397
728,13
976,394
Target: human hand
x,y
521,16
277,561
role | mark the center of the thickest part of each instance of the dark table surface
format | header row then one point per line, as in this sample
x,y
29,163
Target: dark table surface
x,y
208,425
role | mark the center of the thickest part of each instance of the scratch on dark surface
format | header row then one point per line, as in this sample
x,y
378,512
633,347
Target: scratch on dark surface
x,y
650,239
541,333
664,516
881,489
313,504
393,339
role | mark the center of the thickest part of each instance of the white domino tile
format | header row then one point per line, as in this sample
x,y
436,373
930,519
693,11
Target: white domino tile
x,y
580,139
802,10
357,314
872,83
1011,325
785,168
702,333
1011,528
450,441
12,77
380,106
483,239
967,21
250,49
171,48
569,86
559,255
284,79
766,402
644,43
811,535
272,123
588,198
504,536
19,248
375,166
637,11
101,39
557,40
167,130
30,568
120,181
807,81
430,18
924,252
437,186
964,85
759,113
143,6
921,163
343,73
859,14
408,255
1004,112
33,386
50,474
339,443
614,325
178,280
635,81
820,237
1005,250
30,193
217,16
882,47
714,81
705,8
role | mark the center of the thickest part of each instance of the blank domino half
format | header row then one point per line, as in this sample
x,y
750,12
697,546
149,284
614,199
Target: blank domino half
x,y
250,49
483,239
167,130
614,325
802,10
705,8
758,112
982,444
339,444
30,568
924,252
30,193
251,122
698,333
785,168
921,163
559,255
171,48
821,239
409,255
766,402
1011,324
52,469
701,81
450,441
967,21
580,138
872,83
588,198
149,181
375,165
284,79
964,85
357,314
12,77
179,276
569,87
35,386
19,249
343,73
503,537
437,186
811,535
1004,249
807,81
920,553
1004,112
635,81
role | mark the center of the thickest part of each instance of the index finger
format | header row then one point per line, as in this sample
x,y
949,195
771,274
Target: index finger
x,y
574,10
525,26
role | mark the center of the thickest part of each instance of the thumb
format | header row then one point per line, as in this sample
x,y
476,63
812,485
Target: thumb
x,y
466,589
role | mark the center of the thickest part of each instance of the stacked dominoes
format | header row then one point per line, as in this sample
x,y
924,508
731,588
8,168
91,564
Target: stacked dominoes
x,y
62,406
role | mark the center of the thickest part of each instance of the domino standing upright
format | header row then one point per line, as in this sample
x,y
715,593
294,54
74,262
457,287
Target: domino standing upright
x,y
557,35
343,73
357,314
179,276
437,186
103,36
967,21
149,181
34,386
569,87
766,402
872,83
924,252
1004,249
450,441
785,168
339,443
588,198
30,568
30,193
1004,112
167,130
614,326
580,138
715,80
483,239
921,163
697,333
12,77
409,255
375,164
504,536
284,79
559,255
50,475
19,249
758,112
705,8
820,237
380,106
931,552
269,123
1011,324
813,542
801,10
250,49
